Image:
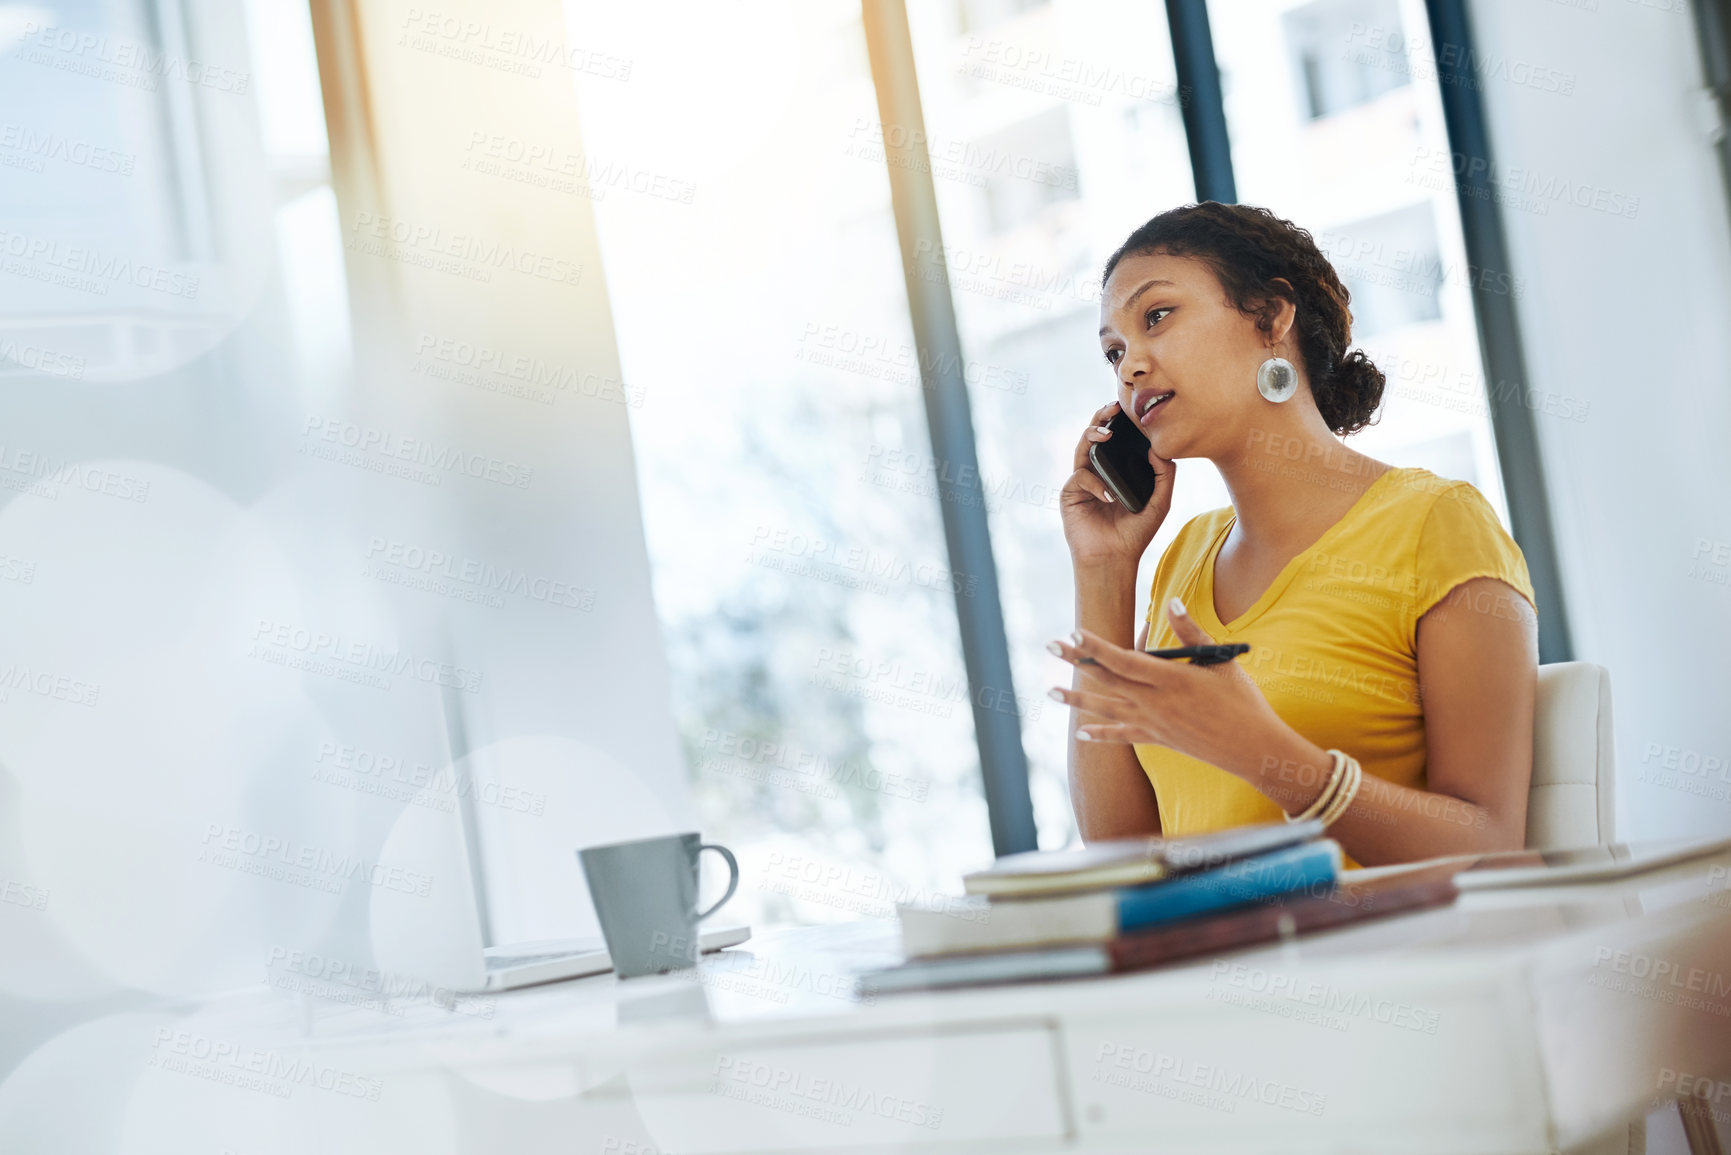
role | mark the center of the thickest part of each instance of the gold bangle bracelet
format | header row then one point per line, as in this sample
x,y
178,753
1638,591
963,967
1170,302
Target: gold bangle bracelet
x,y
1337,762
1343,797
1349,785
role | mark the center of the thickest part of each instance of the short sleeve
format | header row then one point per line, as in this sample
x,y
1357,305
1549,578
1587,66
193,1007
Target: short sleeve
x,y
1461,540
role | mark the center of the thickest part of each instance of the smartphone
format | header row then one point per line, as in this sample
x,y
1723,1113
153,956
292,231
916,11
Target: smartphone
x,y
1122,463
1198,655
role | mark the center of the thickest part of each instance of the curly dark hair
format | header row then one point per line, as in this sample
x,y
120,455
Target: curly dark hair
x,y
1248,248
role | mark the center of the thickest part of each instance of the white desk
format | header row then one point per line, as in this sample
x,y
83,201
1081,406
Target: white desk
x,y
1511,1022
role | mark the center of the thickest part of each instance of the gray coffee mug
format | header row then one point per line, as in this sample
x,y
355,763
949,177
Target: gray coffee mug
x,y
645,894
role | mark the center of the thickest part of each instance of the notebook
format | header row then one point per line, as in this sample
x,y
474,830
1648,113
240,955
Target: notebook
x,y
1130,861
1343,904
979,924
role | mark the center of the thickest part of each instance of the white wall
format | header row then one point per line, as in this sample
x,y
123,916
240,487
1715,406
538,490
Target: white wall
x,y
1629,314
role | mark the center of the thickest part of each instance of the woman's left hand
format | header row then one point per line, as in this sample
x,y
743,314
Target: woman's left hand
x,y
1215,713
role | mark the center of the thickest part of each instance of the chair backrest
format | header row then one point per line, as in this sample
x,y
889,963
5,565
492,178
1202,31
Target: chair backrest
x,y
1574,764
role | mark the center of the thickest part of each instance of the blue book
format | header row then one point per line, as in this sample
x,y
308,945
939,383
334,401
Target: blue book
x,y
961,925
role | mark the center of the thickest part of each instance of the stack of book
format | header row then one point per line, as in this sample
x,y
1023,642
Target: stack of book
x,y
1127,904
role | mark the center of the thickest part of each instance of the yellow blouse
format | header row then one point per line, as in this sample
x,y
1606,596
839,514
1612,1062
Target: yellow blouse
x,y
1333,641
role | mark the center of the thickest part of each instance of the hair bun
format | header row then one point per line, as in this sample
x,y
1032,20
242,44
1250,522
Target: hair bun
x,y
1356,392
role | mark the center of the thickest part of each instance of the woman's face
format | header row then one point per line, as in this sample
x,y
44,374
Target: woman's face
x,y
1174,340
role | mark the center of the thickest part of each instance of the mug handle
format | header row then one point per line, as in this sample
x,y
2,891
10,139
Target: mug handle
x,y
733,876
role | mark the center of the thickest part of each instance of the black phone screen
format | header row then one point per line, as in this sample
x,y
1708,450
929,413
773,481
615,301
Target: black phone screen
x,y
1122,462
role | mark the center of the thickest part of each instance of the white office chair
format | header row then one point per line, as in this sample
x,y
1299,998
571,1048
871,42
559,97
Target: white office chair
x,y
1570,802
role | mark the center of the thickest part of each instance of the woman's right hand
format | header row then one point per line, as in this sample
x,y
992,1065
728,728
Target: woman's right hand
x,y
1097,527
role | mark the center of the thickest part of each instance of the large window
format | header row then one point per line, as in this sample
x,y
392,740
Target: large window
x,y
789,491
1336,124
1070,113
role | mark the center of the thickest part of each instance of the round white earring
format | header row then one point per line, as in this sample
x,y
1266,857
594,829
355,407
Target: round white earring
x,y
1276,379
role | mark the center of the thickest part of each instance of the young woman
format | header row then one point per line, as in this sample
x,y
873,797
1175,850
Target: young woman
x,y
1390,682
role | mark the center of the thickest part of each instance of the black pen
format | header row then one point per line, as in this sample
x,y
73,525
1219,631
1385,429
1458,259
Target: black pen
x,y
1198,655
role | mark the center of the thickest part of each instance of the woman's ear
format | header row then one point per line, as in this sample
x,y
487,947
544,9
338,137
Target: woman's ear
x,y
1279,310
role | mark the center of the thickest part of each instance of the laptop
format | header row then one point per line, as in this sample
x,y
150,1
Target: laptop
x,y
1507,869
438,936
1582,864
526,963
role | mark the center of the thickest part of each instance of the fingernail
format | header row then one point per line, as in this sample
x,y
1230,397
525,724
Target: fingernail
x,y
1055,695
1084,736
1102,428
1055,648
1075,637
1109,496
1176,606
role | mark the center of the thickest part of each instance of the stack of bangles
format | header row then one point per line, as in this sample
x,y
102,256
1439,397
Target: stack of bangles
x,y
1337,795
